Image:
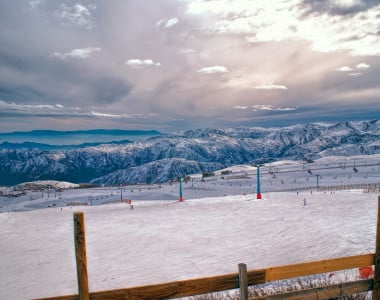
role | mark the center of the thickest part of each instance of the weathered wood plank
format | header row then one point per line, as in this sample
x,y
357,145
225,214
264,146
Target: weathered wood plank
x,y
243,281
65,297
324,292
80,255
256,276
376,285
225,282
178,289
318,267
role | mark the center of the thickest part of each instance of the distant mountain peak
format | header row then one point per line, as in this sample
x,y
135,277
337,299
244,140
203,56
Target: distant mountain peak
x,y
166,157
90,131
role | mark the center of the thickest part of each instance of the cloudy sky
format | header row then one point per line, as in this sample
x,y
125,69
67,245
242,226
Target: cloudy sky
x,y
181,64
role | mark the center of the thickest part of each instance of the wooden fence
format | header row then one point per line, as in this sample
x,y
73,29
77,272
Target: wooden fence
x,y
240,280
366,187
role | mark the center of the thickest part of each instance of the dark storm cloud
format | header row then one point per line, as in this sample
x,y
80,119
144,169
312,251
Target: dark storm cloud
x,y
40,42
32,31
185,62
108,90
43,79
339,7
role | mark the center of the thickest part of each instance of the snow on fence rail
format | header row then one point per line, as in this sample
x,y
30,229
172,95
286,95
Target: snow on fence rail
x,y
240,280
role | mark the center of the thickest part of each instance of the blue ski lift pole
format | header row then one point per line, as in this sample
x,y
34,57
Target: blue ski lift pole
x,y
180,190
258,183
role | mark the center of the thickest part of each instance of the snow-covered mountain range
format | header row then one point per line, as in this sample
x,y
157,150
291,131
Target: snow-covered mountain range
x,y
166,157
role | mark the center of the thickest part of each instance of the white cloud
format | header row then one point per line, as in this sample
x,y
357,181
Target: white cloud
x,y
272,108
271,87
362,66
219,7
213,69
77,14
171,22
12,108
142,62
347,3
167,23
289,21
98,114
344,69
241,107
120,116
77,53
349,69
134,62
148,62
265,107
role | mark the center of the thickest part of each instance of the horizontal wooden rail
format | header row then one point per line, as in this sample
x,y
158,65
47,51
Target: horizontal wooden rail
x,y
318,267
323,292
193,287
176,289
180,288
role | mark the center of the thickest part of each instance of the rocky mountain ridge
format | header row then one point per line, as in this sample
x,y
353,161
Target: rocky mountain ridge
x,y
166,157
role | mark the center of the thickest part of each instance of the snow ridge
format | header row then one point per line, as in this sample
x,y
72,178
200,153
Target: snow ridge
x,y
164,158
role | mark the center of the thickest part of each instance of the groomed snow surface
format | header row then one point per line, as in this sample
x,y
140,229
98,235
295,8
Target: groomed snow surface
x,y
161,241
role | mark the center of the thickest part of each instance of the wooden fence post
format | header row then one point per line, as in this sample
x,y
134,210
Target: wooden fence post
x,y
80,255
376,280
243,281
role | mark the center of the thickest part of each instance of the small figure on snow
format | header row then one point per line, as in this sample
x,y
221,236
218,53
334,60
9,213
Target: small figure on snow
x,y
304,201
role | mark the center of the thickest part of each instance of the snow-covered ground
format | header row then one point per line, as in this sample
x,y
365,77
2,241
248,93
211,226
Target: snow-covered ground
x,y
219,225
238,180
160,241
